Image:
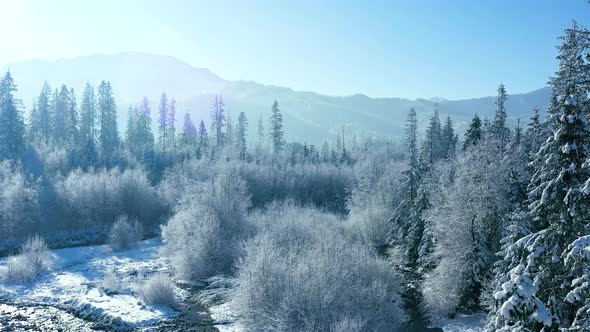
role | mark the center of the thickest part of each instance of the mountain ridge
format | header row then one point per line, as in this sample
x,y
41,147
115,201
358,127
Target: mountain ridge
x,y
308,115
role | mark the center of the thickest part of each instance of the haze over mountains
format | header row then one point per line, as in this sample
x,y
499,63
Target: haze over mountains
x,y
308,116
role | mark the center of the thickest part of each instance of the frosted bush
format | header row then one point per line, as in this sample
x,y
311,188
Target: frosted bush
x,y
32,260
19,201
159,289
301,274
204,235
125,233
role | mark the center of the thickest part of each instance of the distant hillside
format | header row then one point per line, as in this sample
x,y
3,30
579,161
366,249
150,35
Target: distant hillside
x,y
308,116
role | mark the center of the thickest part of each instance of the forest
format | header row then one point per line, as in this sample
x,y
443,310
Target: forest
x,y
354,235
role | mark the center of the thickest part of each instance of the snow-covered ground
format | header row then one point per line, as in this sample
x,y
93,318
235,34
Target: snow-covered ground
x,y
76,280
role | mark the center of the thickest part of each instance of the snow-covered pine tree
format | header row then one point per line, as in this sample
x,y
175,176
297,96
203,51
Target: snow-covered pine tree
x,y
109,134
473,134
498,129
163,123
12,126
535,292
276,128
203,144
241,132
87,114
171,124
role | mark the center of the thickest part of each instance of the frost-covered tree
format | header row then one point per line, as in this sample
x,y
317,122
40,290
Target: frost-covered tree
x,y
171,124
12,126
473,134
534,290
109,134
203,144
163,123
498,129
534,133
218,121
41,119
448,139
241,132
88,114
276,132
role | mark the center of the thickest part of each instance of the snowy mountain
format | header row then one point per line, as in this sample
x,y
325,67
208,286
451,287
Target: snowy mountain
x,y
308,115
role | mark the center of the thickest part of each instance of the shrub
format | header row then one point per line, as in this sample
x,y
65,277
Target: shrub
x,y
159,290
373,200
301,274
19,201
97,197
203,236
125,233
32,260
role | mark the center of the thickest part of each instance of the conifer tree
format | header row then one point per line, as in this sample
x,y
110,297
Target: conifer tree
x,y
163,123
276,128
189,132
171,123
498,129
449,142
145,135
41,119
107,119
537,288
242,130
71,131
88,114
203,145
12,126
473,134
218,121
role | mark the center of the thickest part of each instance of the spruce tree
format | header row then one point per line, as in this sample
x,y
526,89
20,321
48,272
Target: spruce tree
x,y
473,134
12,126
276,128
203,145
218,121
145,135
448,142
107,118
241,131
72,133
88,114
534,290
498,129
171,123
41,119
163,123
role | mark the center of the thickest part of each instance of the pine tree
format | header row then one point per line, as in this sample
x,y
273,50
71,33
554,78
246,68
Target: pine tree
x,y
242,130
12,126
276,128
145,135
260,131
325,154
171,122
41,119
449,143
534,133
203,146
72,133
131,132
60,114
218,121
431,148
189,132
534,290
88,115
163,123
498,127
473,134
109,135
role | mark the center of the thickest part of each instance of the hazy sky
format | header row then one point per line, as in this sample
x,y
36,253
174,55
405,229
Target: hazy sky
x,y
453,49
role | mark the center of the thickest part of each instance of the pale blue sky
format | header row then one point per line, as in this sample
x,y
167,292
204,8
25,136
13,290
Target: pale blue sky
x,y
425,48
